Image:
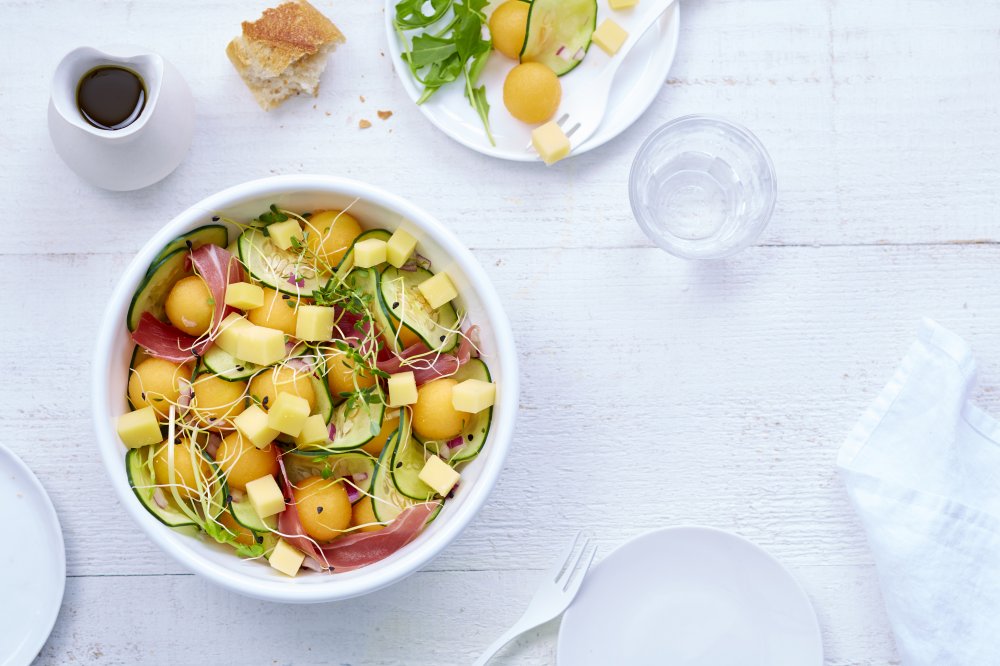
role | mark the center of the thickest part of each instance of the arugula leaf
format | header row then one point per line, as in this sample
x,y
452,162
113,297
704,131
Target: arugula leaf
x,y
428,50
410,13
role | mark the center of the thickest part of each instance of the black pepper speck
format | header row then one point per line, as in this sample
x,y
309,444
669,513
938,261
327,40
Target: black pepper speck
x,y
395,305
319,509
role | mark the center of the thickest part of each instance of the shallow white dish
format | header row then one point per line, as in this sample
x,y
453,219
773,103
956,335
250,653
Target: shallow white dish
x,y
638,82
373,207
32,563
691,596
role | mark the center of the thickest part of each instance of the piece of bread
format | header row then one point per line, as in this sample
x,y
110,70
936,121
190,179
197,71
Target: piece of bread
x,y
283,53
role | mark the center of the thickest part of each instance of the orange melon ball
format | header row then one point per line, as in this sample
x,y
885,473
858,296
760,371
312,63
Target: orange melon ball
x,y
434,417
157,383
216,400
323,507
190,306
275,313
282,379
532,93
363,513
508,25
186,477
242,462
330,234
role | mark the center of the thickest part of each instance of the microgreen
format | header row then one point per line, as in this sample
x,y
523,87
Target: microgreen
x,y
272,215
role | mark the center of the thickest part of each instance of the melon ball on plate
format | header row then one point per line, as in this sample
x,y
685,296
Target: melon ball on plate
x,y
190,306
330,234
434,417
276,312
532,92
157,383
508,25
323,507
242,462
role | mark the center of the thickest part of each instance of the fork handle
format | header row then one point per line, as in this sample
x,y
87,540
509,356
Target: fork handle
x,y
498,644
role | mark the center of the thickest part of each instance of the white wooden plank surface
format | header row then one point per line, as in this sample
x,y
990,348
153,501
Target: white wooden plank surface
x,y
655,392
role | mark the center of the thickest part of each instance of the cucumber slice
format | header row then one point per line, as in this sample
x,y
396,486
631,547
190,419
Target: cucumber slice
x,y
401,300
210,234
324,401
244,514
387,501
151,296
559,24
478,428
408,458
226,366
355,426
139,468
365,281
346,264
138,356
273,267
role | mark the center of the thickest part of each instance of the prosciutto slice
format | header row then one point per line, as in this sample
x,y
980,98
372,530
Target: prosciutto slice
x,y
427,366
218,268
164,341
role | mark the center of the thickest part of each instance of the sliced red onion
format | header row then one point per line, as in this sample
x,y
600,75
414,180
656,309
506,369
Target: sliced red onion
x,y
353,494
360,477
212,446
333,431
236,494
312,564
297,280
159,498
299,364
444,451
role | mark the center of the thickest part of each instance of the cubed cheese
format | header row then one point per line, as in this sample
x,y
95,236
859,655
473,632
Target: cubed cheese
x,y
438,290
622,4
399,247
550,142
260,345
610,36
252,424
288,414
439,475
285,558
314,323
139,428
314,431
370,252
282,233
265,496
473,395
229,330
402,389
244,295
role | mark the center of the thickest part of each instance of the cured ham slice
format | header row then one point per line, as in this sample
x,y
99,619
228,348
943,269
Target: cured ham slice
x,y
164,341
218,268
427,366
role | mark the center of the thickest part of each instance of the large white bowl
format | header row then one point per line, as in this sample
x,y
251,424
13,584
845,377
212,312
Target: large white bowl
x,y
374,208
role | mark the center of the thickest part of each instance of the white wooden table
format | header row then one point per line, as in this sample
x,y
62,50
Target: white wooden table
x,y
656,392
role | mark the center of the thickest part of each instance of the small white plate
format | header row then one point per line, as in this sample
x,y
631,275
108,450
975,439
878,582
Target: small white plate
x,y
638,82
32,563
690,596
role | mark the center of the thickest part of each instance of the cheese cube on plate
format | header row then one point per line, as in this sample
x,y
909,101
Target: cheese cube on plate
x,y
282,233
399,248
252,424
285,558
439,475
622,4
244,296
370,252
550,142
288,414
438,290
473,395
265,496
610,36
314,323
314,431
229,329
402,389
139,428
260,345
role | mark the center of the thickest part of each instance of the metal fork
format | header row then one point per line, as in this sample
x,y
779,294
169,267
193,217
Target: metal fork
x,y
588,106
560,585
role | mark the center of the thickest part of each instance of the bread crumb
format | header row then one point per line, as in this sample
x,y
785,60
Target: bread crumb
x,y
362,98
328,114
385,115
364,124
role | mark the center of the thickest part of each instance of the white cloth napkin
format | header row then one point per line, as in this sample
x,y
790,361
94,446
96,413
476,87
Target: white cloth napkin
x,y
922,468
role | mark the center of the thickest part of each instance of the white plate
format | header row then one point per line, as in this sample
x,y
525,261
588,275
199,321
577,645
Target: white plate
x,y
690,596
638,82
32,563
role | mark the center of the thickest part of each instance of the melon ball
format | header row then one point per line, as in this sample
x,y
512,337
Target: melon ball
x,y
190,306
363,513
157,383
434,417
390,423
532,92
267,384
242,462
186,478
244,536
216,400
340,373
278,312
508,25
330,235
323,507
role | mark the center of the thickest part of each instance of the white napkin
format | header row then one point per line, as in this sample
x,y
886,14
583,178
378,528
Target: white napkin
x,y
922,468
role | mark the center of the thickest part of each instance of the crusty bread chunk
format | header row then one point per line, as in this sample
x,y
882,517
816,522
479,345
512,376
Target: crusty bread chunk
x,y
283,53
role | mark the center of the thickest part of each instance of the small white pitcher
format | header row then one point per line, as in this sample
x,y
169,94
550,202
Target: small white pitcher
x,y
138,155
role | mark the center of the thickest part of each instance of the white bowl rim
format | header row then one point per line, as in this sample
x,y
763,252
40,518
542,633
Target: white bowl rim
x,y
503,422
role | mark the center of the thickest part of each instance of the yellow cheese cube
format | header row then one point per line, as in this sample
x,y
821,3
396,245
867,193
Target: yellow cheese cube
x,y
402,389
139,428
610,36
228,331
314,431
399,247
282,233
370,252
622,4
439,475
288,414
244,296
438,290
473,395
314,323
260,345
265,496
252,424
550,142
285,558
